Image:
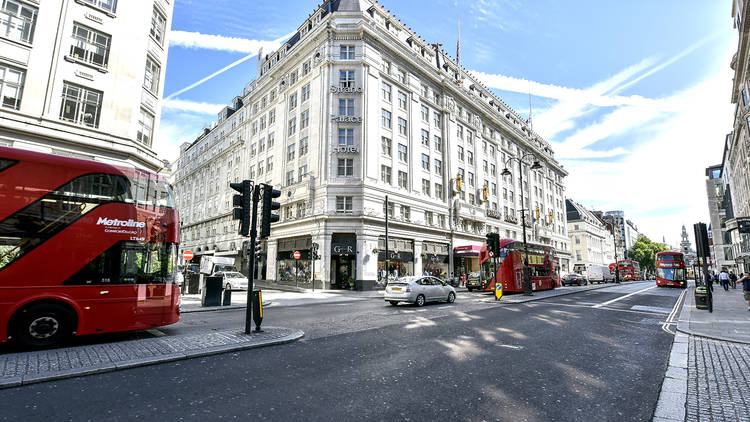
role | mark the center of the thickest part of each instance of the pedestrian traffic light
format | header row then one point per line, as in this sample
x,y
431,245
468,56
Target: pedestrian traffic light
x,y
258,248
269,205
242,205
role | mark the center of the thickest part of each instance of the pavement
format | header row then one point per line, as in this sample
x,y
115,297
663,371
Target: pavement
x,y
708,377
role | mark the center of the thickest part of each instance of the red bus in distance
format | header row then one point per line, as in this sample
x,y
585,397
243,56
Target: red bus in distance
x,y
542,264
670,269
85,248
629,269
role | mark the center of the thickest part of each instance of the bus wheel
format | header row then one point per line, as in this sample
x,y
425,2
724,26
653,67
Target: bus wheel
x,y
42,325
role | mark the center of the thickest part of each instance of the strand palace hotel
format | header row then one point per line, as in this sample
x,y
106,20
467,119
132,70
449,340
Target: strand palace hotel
x,y
353,108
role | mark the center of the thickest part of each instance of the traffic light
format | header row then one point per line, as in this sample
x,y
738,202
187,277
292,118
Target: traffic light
x,y
269,205
242,205
551,217
484,193
458,183
493,243
258,248
537,213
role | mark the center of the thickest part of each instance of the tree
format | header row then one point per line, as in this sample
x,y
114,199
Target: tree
x,y
644,251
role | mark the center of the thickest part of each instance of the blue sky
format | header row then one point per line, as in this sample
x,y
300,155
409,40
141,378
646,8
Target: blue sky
x,y
628,92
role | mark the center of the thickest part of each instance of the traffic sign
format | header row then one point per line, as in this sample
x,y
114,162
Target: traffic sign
x,y
187,255
297,255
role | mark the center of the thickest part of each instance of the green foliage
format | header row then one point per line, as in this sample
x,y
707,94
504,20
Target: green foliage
x,y
644,251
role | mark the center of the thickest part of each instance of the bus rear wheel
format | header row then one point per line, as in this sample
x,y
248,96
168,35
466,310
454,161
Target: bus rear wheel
x,y
42,325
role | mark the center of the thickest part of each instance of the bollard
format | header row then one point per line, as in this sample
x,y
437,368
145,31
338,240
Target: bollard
x,y
257,310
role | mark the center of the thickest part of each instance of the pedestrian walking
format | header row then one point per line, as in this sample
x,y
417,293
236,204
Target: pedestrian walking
x,y
745,280
724,279
733,279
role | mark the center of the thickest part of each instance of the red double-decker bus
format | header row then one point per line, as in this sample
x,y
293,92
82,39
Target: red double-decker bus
x,y
85,248
629,269
670,269
510,262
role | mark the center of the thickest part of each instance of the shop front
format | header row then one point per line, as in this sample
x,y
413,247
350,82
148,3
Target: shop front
x,y
465,261
292,270
400,258
435,259
344,261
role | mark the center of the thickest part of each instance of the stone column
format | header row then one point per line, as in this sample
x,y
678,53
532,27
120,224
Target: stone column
x,y
367,261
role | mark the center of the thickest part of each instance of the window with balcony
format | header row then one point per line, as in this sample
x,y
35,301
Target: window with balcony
x,y
81,105
90,46
17,20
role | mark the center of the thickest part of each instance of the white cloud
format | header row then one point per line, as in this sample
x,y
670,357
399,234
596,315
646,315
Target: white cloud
x,y
219,42
191,106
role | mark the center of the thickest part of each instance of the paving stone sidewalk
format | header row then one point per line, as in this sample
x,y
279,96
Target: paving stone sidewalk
x,y
38,366
729,321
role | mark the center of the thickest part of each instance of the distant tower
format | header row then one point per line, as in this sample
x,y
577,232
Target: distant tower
x,y
685,243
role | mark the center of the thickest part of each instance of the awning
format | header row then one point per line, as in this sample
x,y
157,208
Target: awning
x,y
470,250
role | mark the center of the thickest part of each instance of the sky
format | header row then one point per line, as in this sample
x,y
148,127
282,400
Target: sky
x,y
634,96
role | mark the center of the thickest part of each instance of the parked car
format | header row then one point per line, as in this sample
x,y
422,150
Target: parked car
x,y
419,290
574,278
599,274
233,280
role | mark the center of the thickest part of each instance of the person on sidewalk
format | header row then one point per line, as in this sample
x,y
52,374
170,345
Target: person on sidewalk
x,y
745,280
724,279
733,279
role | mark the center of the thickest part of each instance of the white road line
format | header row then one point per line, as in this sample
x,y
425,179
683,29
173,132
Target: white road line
x,y
622,297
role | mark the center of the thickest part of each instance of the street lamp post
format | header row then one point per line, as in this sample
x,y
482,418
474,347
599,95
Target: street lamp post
x,y
617,266
534,166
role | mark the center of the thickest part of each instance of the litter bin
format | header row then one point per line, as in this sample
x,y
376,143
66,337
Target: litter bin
x,y
226,299
701,297
211,294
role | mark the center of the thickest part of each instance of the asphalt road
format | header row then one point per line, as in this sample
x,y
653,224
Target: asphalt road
x,y
597,355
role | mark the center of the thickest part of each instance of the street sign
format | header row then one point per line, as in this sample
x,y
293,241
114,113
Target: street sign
x,y
297,255
187,255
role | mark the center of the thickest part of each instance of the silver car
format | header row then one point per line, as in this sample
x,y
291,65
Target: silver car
x,y
233,280
419,290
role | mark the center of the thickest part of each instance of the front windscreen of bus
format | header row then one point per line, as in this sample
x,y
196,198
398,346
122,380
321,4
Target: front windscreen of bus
x,y
669,258
671,274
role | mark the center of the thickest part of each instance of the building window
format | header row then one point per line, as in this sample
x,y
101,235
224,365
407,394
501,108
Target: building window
x,y
461,153
386,144
269,164
403,179
346,52
402,153
290,152
425,138
402,126
493,169
106,5
385,174
426,187
386,67
81,105
292,126
402,100
158,24
401,76
439,191
405,213
271,117
17,21
391,209
438,143
346,107
385,118
424,91
305,93
346,136
426,162
470,157
386,91
346,79
271,138
425,113
90,46
344,204
304,119
471,179
145,128
302,172
428,218
436,119
290,177
263,123
262,145
346,167
303,147
460,132
306,68
151,78
11,86
438,167
292,101
293,78
484,165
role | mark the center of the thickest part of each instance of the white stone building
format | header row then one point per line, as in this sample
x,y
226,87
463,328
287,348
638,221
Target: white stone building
x,y
83,78
354,107
590,241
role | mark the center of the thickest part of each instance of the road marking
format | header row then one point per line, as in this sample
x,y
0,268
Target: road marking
x,y
588,307
671,318
617,299
652,309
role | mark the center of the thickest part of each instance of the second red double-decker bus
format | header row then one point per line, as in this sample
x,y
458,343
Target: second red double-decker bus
x,y
85,248
670,269
629,269
510,265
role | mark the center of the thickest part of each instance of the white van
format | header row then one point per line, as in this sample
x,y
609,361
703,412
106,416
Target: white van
x,y
599,274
